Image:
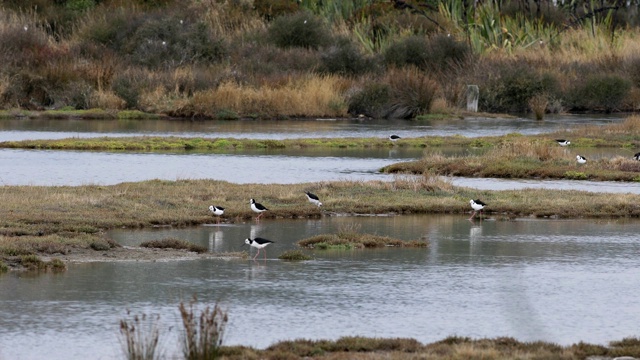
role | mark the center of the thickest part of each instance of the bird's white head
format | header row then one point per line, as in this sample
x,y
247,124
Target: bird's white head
x,y
252,201
211,208
248,241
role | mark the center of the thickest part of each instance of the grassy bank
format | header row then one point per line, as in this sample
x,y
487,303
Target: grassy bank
x,y
451,348
539,157
60,220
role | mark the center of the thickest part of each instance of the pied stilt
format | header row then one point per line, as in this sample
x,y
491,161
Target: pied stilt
x,y
637,156
581,159
476,205
313,198
217,211
257,208
258,243
394,137
563,142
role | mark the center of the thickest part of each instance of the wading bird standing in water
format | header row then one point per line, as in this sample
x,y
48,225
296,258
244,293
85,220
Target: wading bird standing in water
x,y
476,205
258,243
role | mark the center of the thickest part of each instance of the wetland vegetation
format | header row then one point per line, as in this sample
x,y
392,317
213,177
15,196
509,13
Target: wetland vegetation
x,y
275,59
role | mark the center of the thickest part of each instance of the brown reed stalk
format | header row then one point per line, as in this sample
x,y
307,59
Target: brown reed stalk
x,y
203,333
140,337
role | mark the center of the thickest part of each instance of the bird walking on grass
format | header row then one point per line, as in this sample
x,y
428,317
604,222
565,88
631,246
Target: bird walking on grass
x,y
394,137
217,211
313,198
257,208
637,156
477,206
563,142
258,243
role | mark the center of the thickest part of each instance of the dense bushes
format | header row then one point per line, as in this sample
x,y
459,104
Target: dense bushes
x,y
257,58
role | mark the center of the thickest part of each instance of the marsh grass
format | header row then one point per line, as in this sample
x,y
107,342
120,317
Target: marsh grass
x,y
450,348
173,243
349,237
294,255
140,337
32,223
203,333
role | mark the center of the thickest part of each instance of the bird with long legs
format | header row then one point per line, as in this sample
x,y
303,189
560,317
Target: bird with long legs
x,y
258,243
563,142
477,206
581,159
313,198
257,208
217,211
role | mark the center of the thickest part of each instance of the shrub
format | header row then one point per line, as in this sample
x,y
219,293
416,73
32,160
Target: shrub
x,y
3,267
412,93
438,54
301,29
344,58
171,243
510,86
371,101
601,92
412,50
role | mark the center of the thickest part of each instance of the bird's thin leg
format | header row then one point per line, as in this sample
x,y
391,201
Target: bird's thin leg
x,y
256,254
473,215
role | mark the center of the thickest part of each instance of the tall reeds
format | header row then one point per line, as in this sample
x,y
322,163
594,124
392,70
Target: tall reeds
x,y
140,336
203,333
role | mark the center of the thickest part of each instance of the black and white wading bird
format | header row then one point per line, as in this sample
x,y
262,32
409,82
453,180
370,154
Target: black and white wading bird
x,y
476,205
637,156
217,211
313,198
394,137
258,243
257,208
563,142
581,159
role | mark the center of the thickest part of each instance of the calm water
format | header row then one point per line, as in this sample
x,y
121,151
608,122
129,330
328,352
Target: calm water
x,y
21,129
560,281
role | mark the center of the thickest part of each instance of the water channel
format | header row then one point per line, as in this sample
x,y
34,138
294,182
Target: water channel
x,y
554,280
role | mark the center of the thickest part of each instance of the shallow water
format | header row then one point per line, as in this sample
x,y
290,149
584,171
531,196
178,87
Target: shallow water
x,y
25,129
553,280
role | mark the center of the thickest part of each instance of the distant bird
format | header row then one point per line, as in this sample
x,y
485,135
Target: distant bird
x,y
257,208
563,142
258,243
394,137
581,159
476,205
217,211
313,198
637,156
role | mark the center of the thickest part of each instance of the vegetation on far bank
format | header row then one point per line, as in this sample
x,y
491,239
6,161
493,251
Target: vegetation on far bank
x,y
273,58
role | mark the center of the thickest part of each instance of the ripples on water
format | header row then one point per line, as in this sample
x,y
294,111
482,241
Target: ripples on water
x,y
559,281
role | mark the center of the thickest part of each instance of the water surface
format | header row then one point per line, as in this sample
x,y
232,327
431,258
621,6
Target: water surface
x,y
553,280
30,129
